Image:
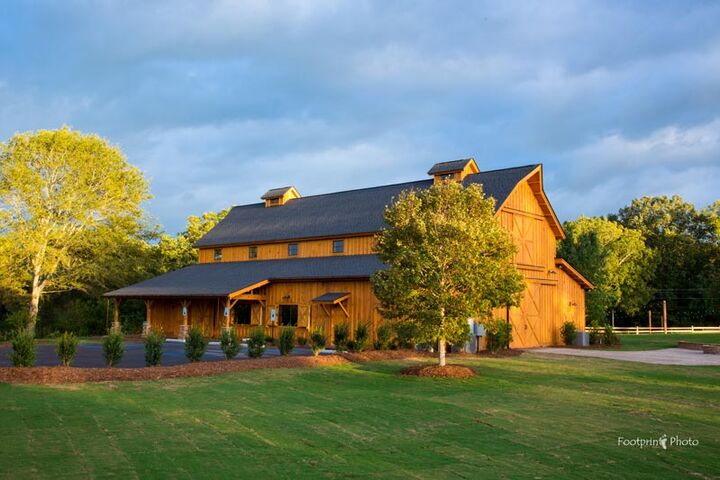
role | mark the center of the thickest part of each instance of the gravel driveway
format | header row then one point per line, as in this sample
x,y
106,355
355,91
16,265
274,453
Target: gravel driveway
x,y
665,356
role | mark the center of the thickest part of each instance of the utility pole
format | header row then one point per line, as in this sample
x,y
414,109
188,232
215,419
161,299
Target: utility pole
x,y
650,320
613,318
664,317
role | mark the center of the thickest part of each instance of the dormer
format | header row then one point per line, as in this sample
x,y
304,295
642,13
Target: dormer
x,y
454,171
279,196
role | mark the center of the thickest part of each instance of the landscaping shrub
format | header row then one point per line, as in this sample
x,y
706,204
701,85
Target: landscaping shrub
x,y
302,340
230,343
609,336
362,338
67,348
406,336
317,341
153,348
384,337
195,344
23,348
341,333
286,340
113,348
498,333
256,343
568,332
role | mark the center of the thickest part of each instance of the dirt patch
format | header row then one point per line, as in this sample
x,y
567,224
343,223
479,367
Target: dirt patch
x,y
380,355
448,371
55,375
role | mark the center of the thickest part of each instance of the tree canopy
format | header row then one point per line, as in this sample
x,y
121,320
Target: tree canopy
x,y
177,252
60,192
615,259
449,260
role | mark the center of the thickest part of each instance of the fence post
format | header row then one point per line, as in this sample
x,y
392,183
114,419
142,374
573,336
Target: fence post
x,y
692,328
664,317
637,330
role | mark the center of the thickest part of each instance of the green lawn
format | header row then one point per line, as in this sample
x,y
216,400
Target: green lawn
x,y
659,340
532,416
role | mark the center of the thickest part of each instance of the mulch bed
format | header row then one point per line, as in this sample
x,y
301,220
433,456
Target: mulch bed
x,y
51,375
448,371
380,355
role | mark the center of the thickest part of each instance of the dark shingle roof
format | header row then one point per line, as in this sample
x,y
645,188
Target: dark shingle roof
x,y
275,192
222,278
447,167
337,214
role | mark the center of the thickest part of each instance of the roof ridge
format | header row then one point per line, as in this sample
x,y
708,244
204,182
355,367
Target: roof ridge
x,y
389,185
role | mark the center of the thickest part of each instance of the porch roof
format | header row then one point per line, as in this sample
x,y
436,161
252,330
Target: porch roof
x,y
331,297
224,278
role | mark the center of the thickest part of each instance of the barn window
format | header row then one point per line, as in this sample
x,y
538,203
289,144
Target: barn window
x,y
218,254
292,250
252,252
289,315
242,313
338,246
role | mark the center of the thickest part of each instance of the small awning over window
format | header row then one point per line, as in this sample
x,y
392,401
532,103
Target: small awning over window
x,y
331,298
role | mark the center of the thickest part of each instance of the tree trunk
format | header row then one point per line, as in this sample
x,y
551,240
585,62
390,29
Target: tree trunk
x,y
441,351
34,302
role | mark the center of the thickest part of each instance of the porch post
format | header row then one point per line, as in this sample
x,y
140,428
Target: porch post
x,y
185,313
226,313
116,315
147,326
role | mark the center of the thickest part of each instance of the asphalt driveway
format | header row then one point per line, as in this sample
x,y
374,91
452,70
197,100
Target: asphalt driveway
x,y
90,355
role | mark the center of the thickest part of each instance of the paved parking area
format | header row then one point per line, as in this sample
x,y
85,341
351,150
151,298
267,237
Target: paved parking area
x,y
90,355
664,356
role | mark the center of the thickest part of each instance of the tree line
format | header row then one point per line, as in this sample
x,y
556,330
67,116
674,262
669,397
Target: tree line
x,y
655,249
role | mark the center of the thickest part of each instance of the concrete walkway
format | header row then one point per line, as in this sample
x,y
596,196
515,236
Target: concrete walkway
x,y
665,356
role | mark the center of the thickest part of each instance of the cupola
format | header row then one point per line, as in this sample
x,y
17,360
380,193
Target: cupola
x,y
454,171
279,196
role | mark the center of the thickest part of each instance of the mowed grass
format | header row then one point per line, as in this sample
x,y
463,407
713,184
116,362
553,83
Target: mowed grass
x,y
534,416
658,340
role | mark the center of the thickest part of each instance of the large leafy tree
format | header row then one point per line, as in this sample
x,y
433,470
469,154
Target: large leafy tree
x,y
615,259
449,260
685,240
62,193
179,251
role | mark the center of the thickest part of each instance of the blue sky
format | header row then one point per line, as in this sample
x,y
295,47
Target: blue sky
x,y
219,101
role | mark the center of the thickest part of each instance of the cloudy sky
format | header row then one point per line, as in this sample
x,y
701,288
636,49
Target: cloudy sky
x,y
218,101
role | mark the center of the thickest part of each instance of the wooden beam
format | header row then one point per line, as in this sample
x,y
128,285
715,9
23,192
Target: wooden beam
x,y
326,310
343,309
251,297
249,288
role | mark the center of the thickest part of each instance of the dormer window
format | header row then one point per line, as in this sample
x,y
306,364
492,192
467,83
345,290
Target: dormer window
x,y
338,246
292,250
218,255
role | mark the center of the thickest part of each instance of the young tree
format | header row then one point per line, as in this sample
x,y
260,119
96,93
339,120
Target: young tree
x,y
449,260
58,190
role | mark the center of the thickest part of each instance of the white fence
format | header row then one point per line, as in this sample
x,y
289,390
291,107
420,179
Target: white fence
x,y
653,330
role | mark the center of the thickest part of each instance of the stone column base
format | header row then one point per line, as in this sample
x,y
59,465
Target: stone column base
x,y
184,329
116,327
146,328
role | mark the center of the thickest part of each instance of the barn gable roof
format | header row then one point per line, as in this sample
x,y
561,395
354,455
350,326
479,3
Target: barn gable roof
x,y
351,212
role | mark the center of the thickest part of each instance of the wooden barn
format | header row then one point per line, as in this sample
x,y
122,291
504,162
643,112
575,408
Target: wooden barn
x,y
306,261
